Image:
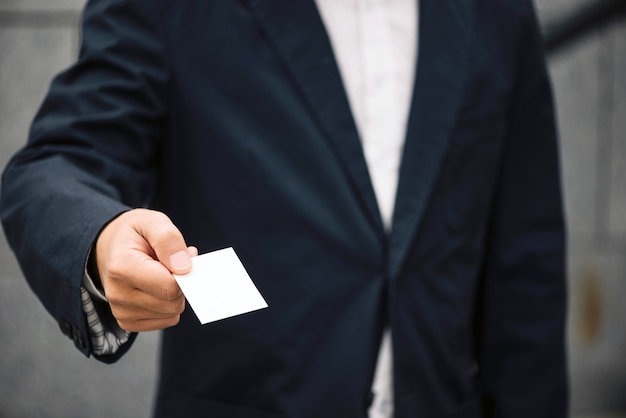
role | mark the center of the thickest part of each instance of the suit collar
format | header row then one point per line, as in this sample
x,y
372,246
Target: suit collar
x,y
445,33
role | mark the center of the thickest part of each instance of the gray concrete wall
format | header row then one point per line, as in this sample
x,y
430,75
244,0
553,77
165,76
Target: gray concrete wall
x,y
41,374
589,79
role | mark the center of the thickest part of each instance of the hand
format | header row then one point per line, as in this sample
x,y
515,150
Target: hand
x,y
136,254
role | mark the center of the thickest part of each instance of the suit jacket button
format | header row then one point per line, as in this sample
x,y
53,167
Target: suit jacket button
x,y
66,328
77,336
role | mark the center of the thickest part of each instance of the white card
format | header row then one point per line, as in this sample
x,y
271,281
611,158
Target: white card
x,y
219,287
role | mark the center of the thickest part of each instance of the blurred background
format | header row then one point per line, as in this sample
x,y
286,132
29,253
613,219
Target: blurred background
x,y
43,375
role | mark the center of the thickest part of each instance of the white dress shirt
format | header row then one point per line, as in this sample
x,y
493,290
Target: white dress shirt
x,y
375,46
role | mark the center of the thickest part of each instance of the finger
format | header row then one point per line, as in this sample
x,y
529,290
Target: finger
x,y
192,251
166,241
132,313
136,271
151,324
137,303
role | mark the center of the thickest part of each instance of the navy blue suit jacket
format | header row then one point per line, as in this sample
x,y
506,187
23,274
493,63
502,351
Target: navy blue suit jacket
x,y
230,116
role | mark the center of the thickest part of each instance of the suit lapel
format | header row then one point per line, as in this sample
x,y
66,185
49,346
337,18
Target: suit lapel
x,y
444,42
297,33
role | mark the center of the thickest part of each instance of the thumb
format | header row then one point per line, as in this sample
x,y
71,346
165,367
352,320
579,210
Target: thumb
x,y
167,242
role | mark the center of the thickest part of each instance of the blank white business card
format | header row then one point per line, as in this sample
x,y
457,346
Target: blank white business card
x,y
219,287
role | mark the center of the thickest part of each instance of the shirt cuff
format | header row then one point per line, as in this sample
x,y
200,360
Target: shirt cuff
x,y
105,334
91,287
105,340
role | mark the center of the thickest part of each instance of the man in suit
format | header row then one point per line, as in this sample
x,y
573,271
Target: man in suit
x,y
239,124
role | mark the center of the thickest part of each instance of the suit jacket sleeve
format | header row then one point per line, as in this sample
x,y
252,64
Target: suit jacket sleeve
x,y
91,154
523,303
